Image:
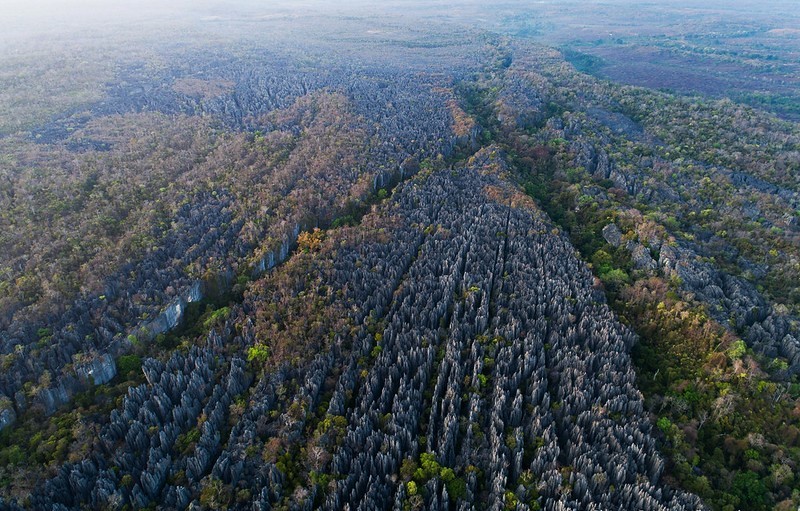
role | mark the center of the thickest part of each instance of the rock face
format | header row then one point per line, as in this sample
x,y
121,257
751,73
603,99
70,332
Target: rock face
x,y
612,235
7,414
641,257
98,371
471,339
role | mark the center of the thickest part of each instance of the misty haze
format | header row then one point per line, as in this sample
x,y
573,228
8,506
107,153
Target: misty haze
x,y
400,255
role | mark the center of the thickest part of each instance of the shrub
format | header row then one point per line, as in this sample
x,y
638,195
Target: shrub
x,y
737,349
456,488
127,364
258,353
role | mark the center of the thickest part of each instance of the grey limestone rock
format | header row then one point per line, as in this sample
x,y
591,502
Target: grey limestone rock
x,y
612,235
7,414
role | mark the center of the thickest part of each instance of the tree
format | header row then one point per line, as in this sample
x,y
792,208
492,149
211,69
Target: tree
x,y
259,354
215,494
318,456
310,241
750,489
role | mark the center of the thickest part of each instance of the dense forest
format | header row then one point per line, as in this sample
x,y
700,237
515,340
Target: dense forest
x,y
401,258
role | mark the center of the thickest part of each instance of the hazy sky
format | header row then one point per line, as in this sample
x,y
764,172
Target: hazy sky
x,y
25,18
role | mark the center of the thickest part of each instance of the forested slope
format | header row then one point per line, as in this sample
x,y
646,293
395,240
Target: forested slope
x,y
686,210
